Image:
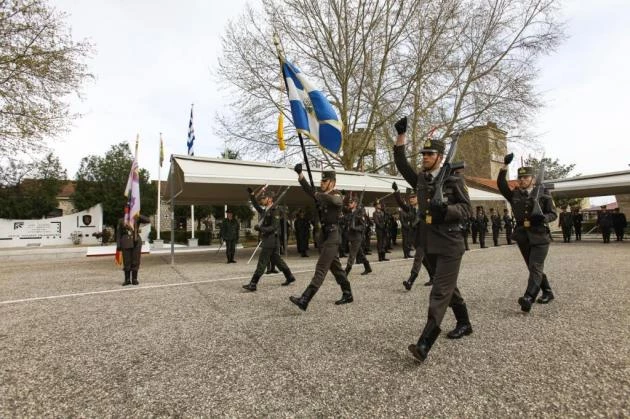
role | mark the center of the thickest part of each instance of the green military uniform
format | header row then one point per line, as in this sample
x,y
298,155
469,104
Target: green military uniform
x,y
420,258
355,228
508,222
495,220
380,225
128,241
229,234
530,235
481,221
441,237
269,229
566,223
329,207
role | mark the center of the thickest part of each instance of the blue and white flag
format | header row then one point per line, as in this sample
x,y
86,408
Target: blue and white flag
x,y
313,115
191,134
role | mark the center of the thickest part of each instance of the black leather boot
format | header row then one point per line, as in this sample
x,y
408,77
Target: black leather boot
x,y
134,277
547,294
346,296
409,283
421,349
252,284
463,327
348,269
429,282
526,302
367,267
307,295
289,278
127,278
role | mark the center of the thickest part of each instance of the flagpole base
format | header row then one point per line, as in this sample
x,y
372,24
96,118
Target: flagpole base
x,y
193,243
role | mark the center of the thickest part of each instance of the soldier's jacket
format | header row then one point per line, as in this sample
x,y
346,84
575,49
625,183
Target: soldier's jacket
x,y
355,224
619,220
408,213
566,219
128,238
522,206
380,220
302,227
577,219
229,229
604,220
481,221
496,222
442,236
329,206
270,226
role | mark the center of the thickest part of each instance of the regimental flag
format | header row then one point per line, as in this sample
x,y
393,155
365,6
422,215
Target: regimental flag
x,y
132,192
191,134
161,150
313,115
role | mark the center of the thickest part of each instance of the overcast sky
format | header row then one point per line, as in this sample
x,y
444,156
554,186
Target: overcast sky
x,y
155,58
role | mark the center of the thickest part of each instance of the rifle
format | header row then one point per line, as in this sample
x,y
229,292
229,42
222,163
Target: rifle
x,y
447,169
357,209
536,210
263,219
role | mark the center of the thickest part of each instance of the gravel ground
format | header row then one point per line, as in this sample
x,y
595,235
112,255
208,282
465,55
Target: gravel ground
x,y
188,342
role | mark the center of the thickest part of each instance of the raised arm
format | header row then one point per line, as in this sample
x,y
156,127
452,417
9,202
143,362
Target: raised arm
x,y
307,187
504,188
255,204
403,166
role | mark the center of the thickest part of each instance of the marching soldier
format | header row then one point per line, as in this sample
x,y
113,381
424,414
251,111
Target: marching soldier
x,y
577,223
407,220
329,203
355,226
619,223
129,242
229,234
343,245
367,239
420,258
380,225
269,230
481,221
302,232
441,237
495,219
566,223
508,221
530,232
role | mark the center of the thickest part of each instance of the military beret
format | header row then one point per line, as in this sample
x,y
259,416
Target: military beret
x,y
329,175
433,146
525,171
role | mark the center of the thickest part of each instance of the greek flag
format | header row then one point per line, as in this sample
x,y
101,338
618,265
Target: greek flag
x,y
191,134
132,192
313,115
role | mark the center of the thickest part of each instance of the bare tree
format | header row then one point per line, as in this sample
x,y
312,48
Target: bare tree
x,y
448,64
40,66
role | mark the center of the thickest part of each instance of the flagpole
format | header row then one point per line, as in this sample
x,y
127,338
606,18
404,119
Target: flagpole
x,y
159,190
191,153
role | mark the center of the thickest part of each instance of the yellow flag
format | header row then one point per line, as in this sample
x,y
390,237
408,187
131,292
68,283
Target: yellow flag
x,y
281,143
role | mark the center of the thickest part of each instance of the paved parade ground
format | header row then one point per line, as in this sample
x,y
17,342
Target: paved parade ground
x,y
190,342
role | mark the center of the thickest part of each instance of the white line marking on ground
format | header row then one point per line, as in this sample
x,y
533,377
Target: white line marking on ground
x,y
132,288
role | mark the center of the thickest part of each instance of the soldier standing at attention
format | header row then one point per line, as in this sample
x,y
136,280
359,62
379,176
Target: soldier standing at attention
x,y
269,230
128,241
302,232
441,238
495,219
566,223
604,221
420,258
619,223
481,221
473,227
329,203
355,226
530,233
407,219
229,234
508,221
380,225
577,223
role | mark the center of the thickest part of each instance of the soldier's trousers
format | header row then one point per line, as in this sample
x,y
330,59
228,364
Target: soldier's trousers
x,y
566,234
475,232
329,260
495,236
356,252
271,255
508,235
421,258
408,236
131,257
482,238
606,234
578,232
230,249
444,292
534,256
619,233
381,241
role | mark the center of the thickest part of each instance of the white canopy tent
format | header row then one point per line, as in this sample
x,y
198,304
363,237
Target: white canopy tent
x,y
612,183
196,180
